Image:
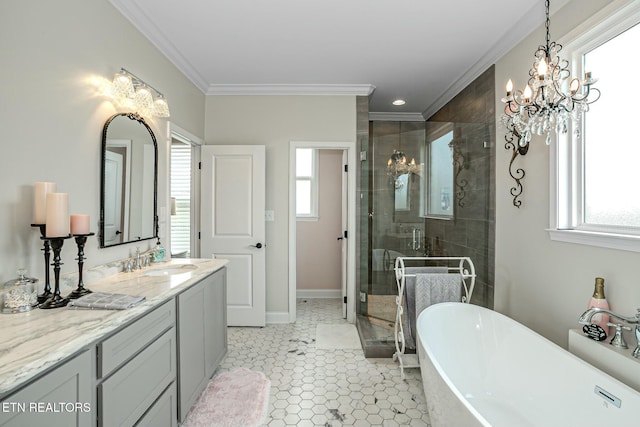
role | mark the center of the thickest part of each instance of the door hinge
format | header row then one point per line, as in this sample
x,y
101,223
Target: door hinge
x,y
346,234
345,299
198,235
200,165
346,168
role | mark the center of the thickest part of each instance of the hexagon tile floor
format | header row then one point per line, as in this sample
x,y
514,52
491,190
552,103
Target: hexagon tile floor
x,y
327,388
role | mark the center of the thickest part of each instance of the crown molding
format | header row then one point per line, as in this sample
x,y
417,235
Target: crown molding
x,y
136,16
397,117
290,89
511,37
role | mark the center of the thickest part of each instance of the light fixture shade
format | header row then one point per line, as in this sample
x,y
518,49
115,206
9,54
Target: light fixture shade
x,y
161,107
143,99
122,85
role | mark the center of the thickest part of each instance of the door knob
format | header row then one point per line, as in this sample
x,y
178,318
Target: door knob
x,y
340,238
257,245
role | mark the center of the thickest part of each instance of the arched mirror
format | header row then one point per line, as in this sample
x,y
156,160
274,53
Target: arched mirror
x,y
129,181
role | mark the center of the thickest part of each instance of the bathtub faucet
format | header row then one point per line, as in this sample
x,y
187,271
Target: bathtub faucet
x,y
585,319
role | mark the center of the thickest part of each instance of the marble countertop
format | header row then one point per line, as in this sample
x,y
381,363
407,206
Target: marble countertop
x,y
35,341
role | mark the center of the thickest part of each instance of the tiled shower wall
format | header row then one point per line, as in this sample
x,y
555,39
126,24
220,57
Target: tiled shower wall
x,y
472,231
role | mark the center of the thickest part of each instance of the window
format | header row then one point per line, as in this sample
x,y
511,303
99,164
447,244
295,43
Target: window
x,y
597,200
306,184
180,199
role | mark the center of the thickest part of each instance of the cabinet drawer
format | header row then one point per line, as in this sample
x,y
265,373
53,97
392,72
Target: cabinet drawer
x,y
127,394
163,412
115,350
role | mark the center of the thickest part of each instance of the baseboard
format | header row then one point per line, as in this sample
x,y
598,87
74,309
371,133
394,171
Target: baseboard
x,y
277,317
318,293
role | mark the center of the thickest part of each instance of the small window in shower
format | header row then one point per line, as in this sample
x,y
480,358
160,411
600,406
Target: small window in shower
x,y
440,177
306,184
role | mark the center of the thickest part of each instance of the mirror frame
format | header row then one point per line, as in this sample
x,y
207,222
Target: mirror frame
x,y
140,119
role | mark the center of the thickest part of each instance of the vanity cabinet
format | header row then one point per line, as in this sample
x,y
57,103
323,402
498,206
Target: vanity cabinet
x,y
202,337
146,369
60,398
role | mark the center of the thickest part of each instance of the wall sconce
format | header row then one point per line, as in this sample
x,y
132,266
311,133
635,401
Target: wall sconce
x,y
139,95
460,162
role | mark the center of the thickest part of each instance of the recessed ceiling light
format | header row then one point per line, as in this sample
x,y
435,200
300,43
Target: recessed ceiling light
x,y
399,102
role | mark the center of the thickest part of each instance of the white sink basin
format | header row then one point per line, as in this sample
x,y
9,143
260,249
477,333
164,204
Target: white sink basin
x,y
170,270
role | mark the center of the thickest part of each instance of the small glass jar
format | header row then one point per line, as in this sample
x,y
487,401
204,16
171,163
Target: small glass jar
x,y
19,295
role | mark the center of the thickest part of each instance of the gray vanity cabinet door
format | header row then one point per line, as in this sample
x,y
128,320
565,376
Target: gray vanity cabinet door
x,y
191,330
215,338
61,398
202,337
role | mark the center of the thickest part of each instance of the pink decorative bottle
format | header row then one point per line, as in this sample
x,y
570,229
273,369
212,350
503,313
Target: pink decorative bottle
x,y
599,300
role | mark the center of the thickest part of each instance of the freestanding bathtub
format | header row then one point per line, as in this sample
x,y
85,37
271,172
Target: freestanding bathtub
x,y
481,368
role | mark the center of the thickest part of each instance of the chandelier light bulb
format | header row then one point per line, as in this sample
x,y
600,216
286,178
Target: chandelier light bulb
x,y
542,69
574,86
509,87
527,93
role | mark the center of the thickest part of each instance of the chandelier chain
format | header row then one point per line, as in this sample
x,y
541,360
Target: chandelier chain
x,y
547,25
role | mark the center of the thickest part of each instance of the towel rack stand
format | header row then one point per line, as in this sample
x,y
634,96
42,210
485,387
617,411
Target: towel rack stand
x,y
462,265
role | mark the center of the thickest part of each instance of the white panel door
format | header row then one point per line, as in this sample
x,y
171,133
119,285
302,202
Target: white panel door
x,y
113,169
344,219
233,228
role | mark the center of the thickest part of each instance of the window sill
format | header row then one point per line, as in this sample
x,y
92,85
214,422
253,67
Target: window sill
x,y
307,218
624,242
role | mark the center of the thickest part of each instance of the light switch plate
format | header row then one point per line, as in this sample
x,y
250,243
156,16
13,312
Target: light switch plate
x,y
269,216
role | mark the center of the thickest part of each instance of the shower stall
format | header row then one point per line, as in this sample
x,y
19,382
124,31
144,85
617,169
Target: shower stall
x,y
425,191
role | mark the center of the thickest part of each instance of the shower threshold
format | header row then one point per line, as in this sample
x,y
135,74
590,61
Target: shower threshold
x,y
376,337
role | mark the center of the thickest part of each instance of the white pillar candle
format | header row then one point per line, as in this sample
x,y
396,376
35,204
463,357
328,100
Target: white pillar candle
x,y
57,221
80,224
40,200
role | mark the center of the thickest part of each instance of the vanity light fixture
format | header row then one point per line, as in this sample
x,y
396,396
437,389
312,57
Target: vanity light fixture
x,y
141,96
549,100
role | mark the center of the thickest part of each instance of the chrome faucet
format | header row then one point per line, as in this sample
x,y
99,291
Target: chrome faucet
x,y
138,264
585,319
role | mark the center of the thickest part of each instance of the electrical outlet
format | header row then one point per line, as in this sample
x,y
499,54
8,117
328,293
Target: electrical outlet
x,y
363,297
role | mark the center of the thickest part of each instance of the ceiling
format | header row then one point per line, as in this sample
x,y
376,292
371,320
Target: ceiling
x,y
419,50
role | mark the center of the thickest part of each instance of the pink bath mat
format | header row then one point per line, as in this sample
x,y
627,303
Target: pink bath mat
x,y
238,398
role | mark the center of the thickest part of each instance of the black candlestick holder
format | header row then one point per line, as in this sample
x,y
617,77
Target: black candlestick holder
x,y
46,294
56,300
81,239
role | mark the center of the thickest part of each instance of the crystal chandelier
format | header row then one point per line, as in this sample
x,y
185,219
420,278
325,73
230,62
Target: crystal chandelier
x,y
550,98
397,166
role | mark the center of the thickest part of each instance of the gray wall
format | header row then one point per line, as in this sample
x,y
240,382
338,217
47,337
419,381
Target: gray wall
x,y
274,121
56,59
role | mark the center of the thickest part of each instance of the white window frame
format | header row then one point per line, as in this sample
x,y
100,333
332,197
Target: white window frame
x,y
313,179
566,157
